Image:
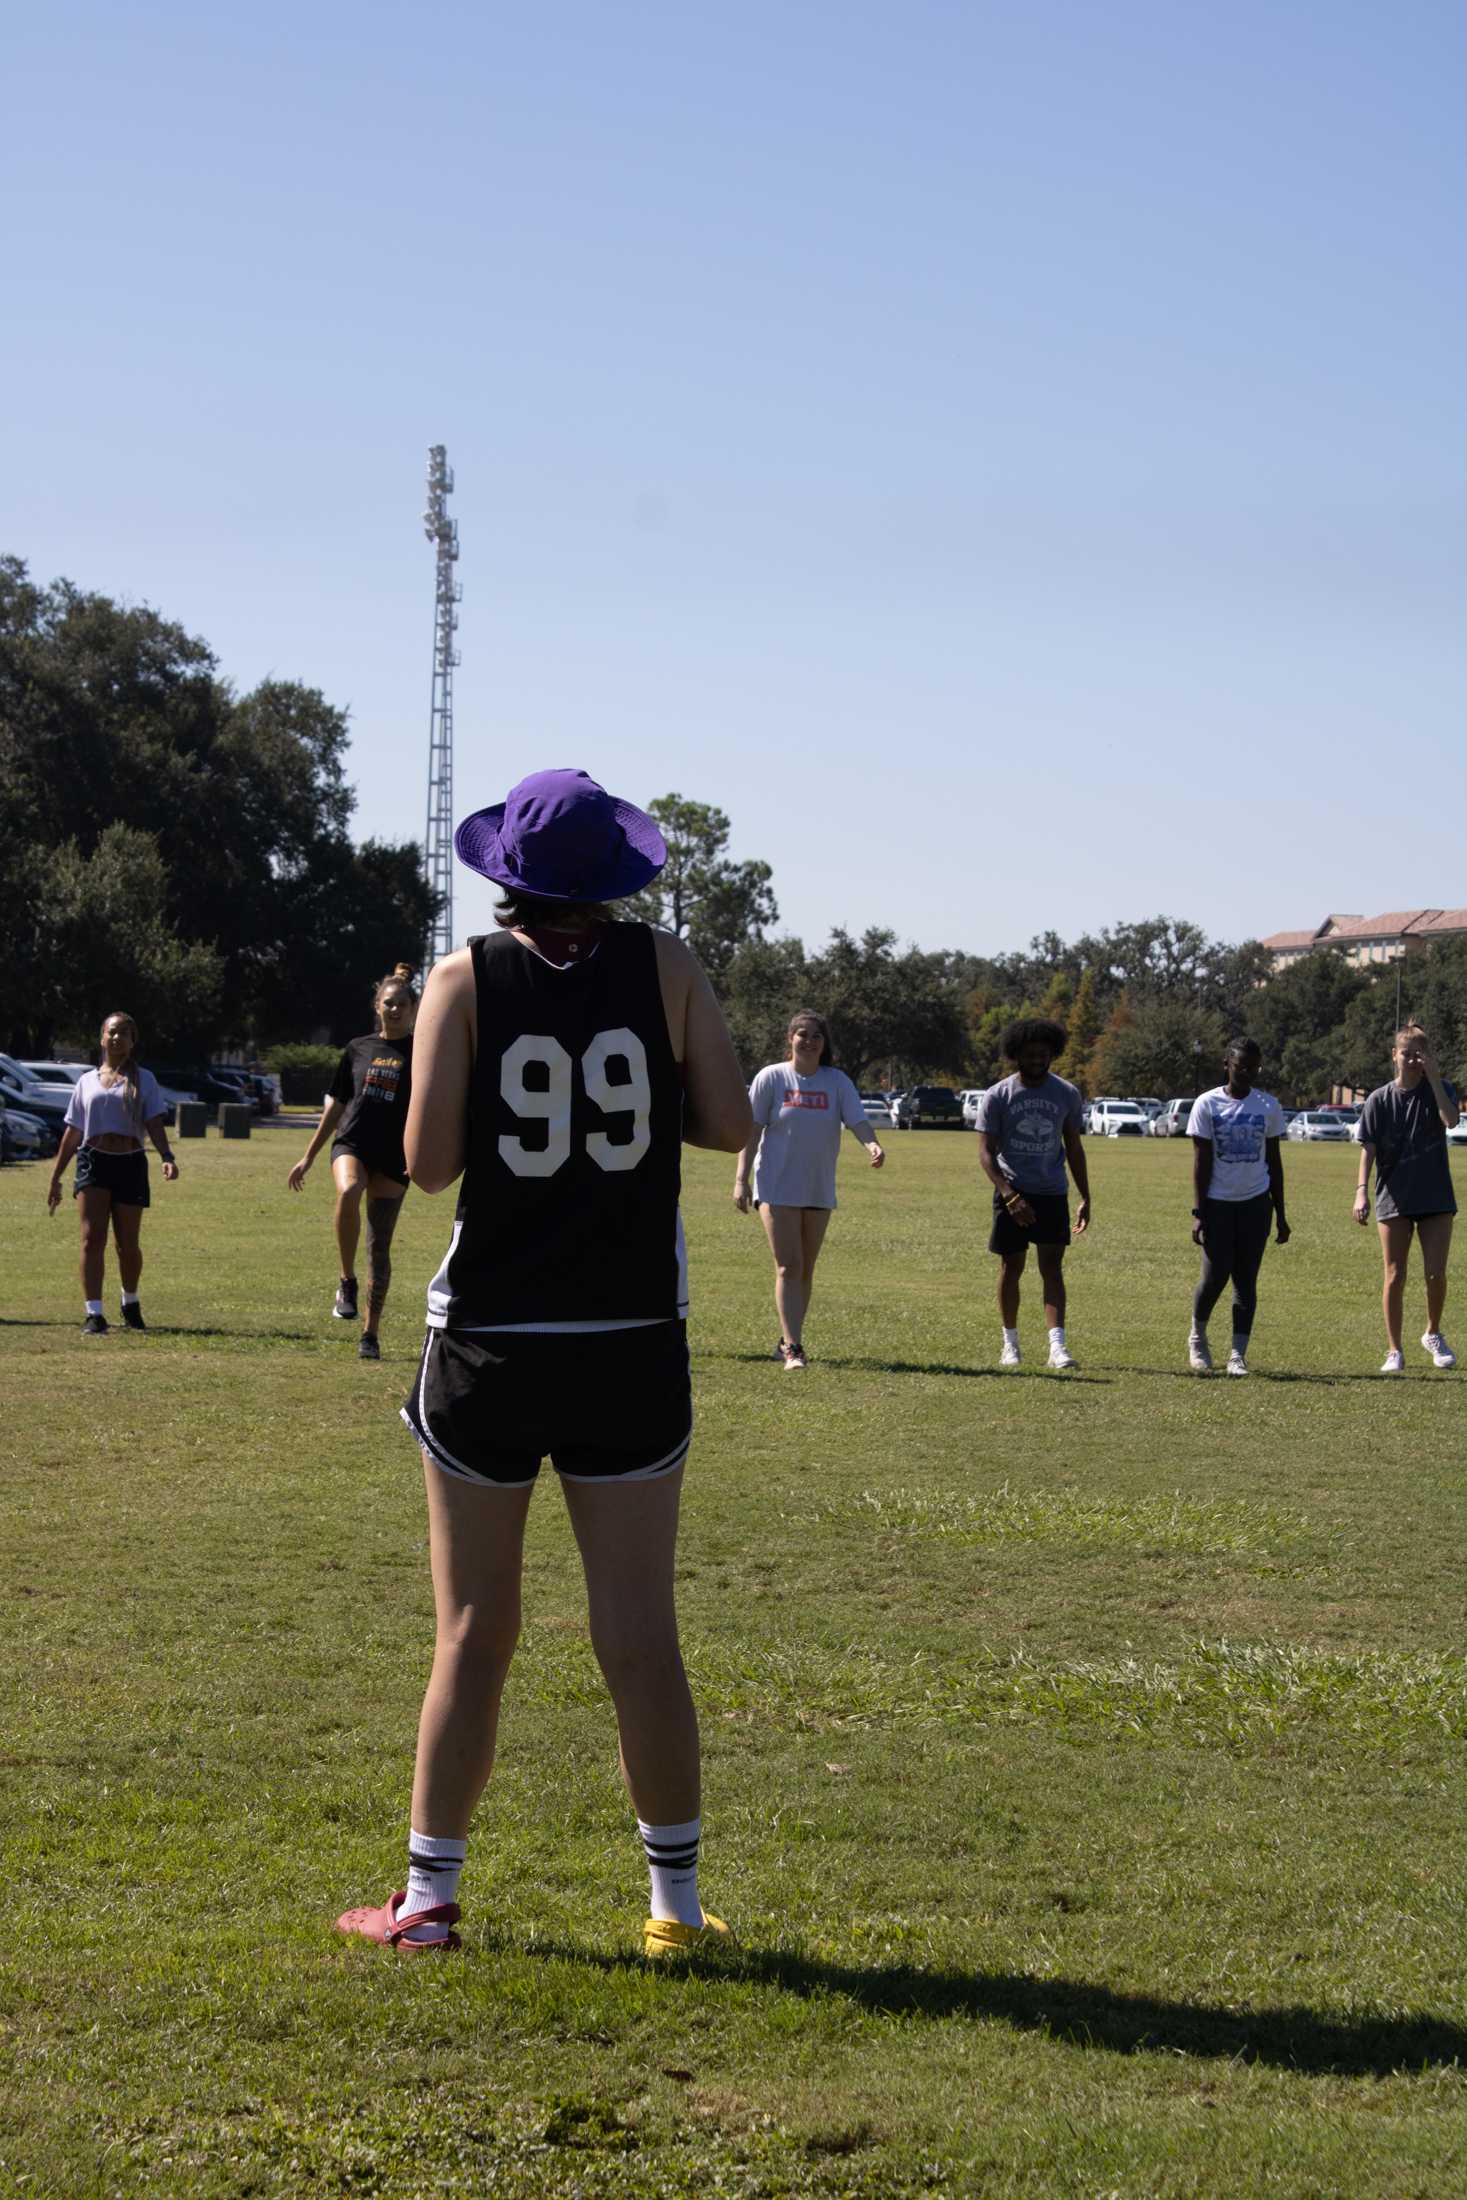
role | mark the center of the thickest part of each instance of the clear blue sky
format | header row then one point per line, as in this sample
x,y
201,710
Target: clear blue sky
x,y
1010,457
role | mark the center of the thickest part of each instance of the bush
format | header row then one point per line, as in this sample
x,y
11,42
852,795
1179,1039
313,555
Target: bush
x,y
304,1072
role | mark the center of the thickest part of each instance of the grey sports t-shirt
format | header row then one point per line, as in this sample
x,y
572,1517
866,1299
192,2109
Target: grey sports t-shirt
x,y
1026,1124
1413,1167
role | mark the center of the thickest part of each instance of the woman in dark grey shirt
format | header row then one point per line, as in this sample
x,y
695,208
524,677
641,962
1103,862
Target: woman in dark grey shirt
x,y
1403,1131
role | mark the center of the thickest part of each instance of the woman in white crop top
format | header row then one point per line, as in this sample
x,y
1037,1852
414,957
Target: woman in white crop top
x,y
109,1111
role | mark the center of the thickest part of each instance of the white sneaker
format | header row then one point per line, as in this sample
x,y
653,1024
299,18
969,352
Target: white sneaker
x,y
1060,1355
1199,1359
1394,1363
1009,1357
1237,1365
1441,1352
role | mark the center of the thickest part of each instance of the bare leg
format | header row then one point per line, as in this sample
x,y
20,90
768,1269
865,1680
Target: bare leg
x,y
383,1210
476,1535
95,1207
127,1223
1434,1236
1052,1279
1010,1269
814,1222
782,1228
1395,1245
627,1533
350,1178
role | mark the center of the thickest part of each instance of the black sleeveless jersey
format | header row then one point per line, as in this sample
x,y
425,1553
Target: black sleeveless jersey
x,y
568,1208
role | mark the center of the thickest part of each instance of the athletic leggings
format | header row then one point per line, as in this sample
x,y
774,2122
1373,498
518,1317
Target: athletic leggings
x,y
1236,1233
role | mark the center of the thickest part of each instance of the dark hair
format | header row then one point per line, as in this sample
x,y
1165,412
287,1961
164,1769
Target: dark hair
x,y
812,1016
1031,1031
402,974
1236,1047
517,912
132,1088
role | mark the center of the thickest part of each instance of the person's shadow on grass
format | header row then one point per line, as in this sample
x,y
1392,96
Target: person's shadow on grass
x,y
1295,2037
871,1366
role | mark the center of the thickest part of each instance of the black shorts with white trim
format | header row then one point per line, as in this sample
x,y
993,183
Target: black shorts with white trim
x,y
606,1405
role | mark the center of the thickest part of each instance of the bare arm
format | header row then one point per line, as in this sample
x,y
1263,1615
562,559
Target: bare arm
x,y
1274,1148
1080,1171
715,1100
1362,1188
1013,1199
331,1115
157,1130
1201,1178
1446,1106
70,1140
435,1141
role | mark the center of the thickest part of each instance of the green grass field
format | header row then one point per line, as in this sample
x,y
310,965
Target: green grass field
x,y
1083,1753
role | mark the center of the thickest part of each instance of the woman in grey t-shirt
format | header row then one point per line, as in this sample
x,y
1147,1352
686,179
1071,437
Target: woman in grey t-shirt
x,y
799,1108
1403,1131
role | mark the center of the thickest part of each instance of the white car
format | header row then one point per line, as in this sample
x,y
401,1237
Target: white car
x,y
1172,1120
1119,1119
1314,1124
874,1107
1457,1135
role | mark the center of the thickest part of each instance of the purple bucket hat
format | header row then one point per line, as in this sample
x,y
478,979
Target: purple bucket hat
x,y
560,836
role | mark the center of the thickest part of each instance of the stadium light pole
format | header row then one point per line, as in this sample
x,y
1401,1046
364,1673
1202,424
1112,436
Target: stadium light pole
x,y
442,532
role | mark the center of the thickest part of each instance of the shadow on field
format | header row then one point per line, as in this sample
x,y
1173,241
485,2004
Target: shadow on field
x,y
1083,2015
1260,1375
914,1367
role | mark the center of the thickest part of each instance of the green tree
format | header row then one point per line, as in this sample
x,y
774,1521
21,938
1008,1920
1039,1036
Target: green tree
x,y
1156,1046
763,985
108,944
899,1011
703,896
112,715
1083,1026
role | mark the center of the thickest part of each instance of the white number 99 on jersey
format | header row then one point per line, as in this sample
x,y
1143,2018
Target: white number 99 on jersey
x,y
551,1104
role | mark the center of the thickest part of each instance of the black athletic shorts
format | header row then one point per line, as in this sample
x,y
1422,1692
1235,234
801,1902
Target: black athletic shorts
x,y
124,1175
369,1161
1051,1223
607,1405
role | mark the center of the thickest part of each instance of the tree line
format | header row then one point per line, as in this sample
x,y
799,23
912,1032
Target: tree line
x,y
184,851
1148,1006
176,848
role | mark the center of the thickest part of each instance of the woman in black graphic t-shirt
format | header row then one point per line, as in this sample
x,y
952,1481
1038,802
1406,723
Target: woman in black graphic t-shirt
x,y
366,1110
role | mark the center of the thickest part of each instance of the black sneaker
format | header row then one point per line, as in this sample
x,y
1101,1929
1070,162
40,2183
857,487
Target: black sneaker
x,y
95,1325
344,1306
368,1347
132,1314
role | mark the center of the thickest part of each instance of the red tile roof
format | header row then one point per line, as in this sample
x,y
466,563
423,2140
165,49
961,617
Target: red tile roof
x,y
1278,941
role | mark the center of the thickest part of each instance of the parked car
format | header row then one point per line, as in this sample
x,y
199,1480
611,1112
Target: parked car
x,y
47,1102
935,1104
24,1078
57,1073
1118,1119
1457,1135
875,1107
1313,1124
1171,1122
24,1137
197,1084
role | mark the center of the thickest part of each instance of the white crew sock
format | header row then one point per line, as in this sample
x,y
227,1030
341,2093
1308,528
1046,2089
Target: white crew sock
x,y
94,1306
434,1866
129,1298
672,1860
1011,1336
1057,1336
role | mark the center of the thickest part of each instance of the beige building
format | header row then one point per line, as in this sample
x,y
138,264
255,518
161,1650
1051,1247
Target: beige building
x,y
1365,941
